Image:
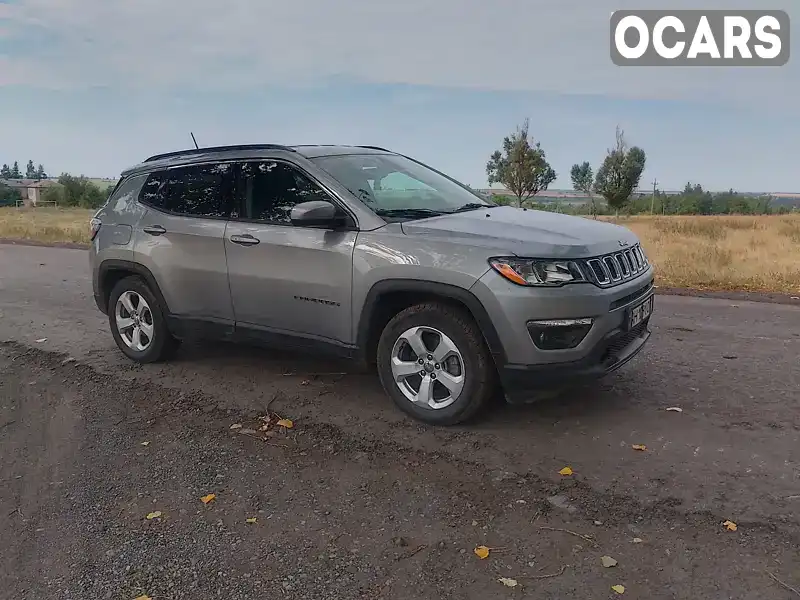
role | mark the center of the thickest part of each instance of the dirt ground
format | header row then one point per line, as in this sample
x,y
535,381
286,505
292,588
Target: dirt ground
x,y
358,501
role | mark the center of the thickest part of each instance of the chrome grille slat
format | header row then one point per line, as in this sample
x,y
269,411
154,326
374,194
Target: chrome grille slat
x,y
617,267
623,263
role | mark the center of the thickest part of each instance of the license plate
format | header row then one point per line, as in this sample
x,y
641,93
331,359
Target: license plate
x,y
640,312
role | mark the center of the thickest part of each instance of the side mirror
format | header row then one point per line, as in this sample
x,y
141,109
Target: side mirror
x,y
316,213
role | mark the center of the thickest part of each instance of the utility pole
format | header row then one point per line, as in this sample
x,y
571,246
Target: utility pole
x,y
653,199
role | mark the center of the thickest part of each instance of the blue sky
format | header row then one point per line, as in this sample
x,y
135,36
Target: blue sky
x,y
93,86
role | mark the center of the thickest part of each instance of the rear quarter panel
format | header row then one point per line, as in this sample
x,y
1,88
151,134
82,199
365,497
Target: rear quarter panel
x,y
119,216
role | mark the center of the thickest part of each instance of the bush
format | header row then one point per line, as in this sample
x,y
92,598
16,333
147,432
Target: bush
x,y
79,191
9,196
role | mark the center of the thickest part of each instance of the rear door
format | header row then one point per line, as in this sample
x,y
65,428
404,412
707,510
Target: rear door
x,y
180,238
286,279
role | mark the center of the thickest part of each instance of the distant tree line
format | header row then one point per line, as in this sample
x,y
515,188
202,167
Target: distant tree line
x,y
71,191
31,172
521,167
707,203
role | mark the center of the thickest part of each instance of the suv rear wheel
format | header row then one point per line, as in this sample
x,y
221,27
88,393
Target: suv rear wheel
x,y
137,322
434,363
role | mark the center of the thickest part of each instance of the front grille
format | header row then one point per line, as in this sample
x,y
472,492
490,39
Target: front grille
x,y
618,267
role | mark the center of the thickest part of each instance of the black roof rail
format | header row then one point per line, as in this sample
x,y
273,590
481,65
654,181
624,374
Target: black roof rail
x,y
212,149
375,148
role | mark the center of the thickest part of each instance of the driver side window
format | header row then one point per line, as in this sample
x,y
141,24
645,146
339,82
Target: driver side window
x,y
268,190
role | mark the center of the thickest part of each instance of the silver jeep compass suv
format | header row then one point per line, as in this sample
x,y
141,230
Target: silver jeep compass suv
x,y
371,255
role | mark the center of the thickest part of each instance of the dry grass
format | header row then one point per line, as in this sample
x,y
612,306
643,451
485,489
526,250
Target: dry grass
x,y
709,253
45,224
758,254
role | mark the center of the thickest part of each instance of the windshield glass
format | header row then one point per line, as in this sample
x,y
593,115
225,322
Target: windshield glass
x,y
397,187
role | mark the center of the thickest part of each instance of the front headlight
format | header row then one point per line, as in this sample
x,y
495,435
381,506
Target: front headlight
x,y
538,272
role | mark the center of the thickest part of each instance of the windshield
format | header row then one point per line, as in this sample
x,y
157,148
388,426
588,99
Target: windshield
x,y
396,187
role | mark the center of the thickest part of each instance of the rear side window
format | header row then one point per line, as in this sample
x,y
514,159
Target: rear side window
x,y
270,189
196,191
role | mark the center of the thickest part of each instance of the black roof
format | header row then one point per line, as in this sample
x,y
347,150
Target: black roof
x,y
191,155
312,151
307,150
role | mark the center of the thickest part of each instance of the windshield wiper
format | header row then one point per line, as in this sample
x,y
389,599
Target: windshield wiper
x,y
411,213
472,206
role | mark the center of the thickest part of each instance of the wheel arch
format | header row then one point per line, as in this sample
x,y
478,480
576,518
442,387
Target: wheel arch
x,y
112,271
387,298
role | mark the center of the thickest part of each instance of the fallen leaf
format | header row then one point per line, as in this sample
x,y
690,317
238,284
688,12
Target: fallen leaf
x,y
153,515
481,552
208,498
474,523
508,582
247,431
251,520
145,443
143,597
565,471
674,409
730,525
608,562
236,426
639,447
39,341
620,589
264,427
637,540
286,423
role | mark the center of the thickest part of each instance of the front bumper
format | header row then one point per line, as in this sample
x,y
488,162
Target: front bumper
x,y
528,372
525,383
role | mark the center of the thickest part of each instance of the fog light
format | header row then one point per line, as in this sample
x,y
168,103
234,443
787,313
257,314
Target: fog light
x,y
559,334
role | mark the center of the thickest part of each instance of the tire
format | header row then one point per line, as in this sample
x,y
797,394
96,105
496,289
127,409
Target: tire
x,y
161,344
478,375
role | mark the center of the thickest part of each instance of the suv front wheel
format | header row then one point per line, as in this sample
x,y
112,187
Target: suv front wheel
x,y
434,363
137,322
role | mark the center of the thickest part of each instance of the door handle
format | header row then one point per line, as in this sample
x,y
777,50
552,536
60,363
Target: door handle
x,y
245,240
154,229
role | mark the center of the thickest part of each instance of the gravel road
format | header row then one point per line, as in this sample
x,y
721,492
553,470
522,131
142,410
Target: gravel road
x,y
358,501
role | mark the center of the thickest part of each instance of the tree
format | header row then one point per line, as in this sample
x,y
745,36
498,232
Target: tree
x,y
521,166
5,172
15,174
79,191
620,173
9,196
30,170
40,174
582,180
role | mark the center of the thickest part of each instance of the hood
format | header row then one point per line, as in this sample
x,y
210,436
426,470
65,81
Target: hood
x,y
524,232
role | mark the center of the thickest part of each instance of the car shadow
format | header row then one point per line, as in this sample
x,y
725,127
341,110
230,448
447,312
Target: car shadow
x,y
598,400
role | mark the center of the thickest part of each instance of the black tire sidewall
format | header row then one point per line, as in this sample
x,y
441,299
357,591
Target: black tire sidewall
x,y
157,348
467,337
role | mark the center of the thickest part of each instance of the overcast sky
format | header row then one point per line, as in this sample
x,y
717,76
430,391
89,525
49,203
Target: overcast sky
x,y
93,86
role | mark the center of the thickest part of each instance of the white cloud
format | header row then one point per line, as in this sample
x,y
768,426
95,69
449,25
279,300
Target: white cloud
x,y
527,45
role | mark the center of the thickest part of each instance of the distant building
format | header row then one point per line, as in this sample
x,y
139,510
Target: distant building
x,y
30,189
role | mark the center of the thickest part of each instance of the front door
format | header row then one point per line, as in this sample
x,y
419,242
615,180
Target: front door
x,y
286,279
